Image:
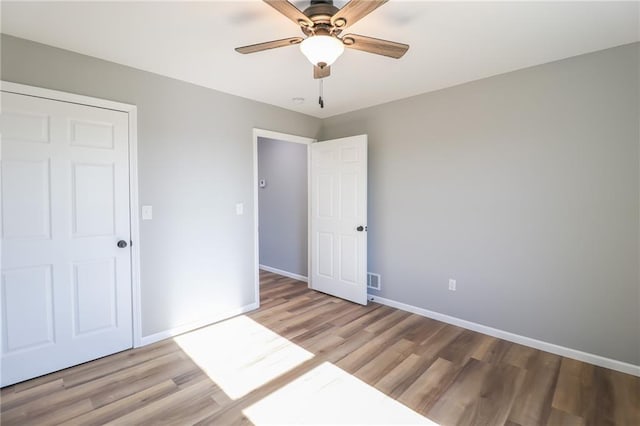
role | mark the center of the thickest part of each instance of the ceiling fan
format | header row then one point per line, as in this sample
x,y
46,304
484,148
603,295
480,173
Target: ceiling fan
x,y
322,23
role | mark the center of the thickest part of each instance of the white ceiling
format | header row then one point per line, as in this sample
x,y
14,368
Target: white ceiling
x,y
451,43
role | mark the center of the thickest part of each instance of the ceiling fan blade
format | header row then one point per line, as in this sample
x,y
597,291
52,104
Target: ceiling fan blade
x,y
321,72
291,12
375,45
354,11
252,48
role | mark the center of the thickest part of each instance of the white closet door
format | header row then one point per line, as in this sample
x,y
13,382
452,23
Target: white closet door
x,y
339,218
66,285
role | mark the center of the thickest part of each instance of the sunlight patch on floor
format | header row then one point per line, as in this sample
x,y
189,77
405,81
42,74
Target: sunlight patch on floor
x,y
240,355
329,395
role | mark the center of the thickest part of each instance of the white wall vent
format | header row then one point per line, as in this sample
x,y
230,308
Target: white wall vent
x,y
373,281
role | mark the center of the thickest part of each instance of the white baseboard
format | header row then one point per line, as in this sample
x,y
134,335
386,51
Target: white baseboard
x,y
284,273
152,338
515,338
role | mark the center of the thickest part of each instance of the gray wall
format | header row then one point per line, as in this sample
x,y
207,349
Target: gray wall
x,y
195,164
283,205
524,187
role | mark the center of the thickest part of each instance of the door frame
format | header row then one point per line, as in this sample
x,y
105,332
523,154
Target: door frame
x,y
132,113
262,133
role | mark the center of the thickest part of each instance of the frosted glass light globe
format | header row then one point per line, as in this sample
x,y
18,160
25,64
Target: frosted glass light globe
x,y
322,49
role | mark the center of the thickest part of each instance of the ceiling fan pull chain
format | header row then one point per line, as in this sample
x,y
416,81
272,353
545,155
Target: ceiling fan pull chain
x,y
320,100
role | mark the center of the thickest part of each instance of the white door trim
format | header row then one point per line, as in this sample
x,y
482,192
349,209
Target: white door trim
x,y
132,112
256,242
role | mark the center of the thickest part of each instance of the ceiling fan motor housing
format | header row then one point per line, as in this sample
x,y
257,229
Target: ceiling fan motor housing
x,y
321,11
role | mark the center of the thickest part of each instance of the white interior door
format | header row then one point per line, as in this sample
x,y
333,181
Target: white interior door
x,y
66,285
339,218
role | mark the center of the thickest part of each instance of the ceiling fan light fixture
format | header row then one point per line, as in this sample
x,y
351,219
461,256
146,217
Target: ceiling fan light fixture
x,y
322,49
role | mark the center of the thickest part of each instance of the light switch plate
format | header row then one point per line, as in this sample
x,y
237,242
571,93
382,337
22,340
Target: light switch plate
x,y
147,212
239,209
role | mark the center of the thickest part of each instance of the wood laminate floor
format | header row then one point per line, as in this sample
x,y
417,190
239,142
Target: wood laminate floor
x,y
305,357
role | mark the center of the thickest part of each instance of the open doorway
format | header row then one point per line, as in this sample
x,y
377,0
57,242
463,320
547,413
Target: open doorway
x,y
281,203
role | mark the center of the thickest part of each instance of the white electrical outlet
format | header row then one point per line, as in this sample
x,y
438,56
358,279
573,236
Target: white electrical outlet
x,y
452,284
